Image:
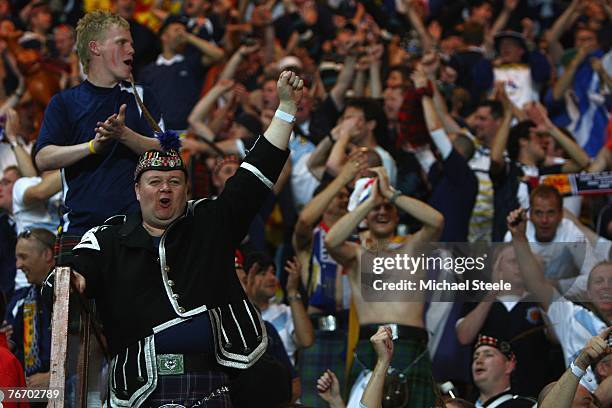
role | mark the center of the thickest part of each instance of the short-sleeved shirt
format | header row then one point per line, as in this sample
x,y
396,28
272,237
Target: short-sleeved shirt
x,y
102,185
574,326
37,215
569,257
281,318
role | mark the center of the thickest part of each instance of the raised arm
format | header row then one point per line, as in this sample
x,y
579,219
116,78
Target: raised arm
x,y
580,159
336,239
531,270
565,81
247,190
210,52
501,138
561,395
290,88
318,158
562,23
313,211
432,219
449,123
602,161
345,79
201,110
24,160
229,71
417,23
501,21
342,133
376,83
304,332
359,81
468,327
432,119
49,185
383,345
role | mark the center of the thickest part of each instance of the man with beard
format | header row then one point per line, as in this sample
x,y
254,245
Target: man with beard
x,y
380,210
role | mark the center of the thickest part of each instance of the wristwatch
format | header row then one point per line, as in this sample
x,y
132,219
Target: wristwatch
x,y
396,194
291,298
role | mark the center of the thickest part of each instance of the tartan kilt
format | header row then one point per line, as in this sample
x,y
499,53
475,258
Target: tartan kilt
x,y
189,388
405,351
328,351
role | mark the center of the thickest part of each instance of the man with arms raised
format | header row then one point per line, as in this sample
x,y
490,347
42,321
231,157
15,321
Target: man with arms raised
x,y
172,307
323,278
380,210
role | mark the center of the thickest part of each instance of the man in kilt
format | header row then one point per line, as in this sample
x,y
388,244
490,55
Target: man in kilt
x,y
324,281
176,319
380,210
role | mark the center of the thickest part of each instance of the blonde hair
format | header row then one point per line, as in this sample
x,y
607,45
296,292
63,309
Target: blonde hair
x,y
91,27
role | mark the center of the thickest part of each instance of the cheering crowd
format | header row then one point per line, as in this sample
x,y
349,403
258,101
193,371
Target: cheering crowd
x,y
219,174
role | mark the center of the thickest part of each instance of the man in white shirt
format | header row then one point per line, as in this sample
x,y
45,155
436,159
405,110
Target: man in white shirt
x,y
36,202
573,324
10,176
567,253
291,322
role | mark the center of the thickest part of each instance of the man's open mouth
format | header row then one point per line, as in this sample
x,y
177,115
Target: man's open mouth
x,y
165,202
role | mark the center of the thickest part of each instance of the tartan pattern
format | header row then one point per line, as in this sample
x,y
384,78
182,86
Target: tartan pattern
x,y
328,351
405,351
412,127
63,248
189,388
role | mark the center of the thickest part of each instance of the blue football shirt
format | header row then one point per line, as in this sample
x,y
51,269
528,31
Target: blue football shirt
x,y
102,185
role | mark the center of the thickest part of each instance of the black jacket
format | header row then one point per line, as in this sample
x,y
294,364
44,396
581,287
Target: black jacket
x,y
140,291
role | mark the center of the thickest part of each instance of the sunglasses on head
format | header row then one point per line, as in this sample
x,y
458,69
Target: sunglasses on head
x,y
27,233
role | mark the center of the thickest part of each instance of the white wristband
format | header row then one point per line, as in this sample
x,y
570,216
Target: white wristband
x,y
284,116
577,371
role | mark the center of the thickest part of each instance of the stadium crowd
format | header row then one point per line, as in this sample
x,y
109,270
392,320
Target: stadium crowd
x,y
219,174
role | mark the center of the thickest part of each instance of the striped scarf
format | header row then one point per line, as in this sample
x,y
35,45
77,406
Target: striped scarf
x,y
31,357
